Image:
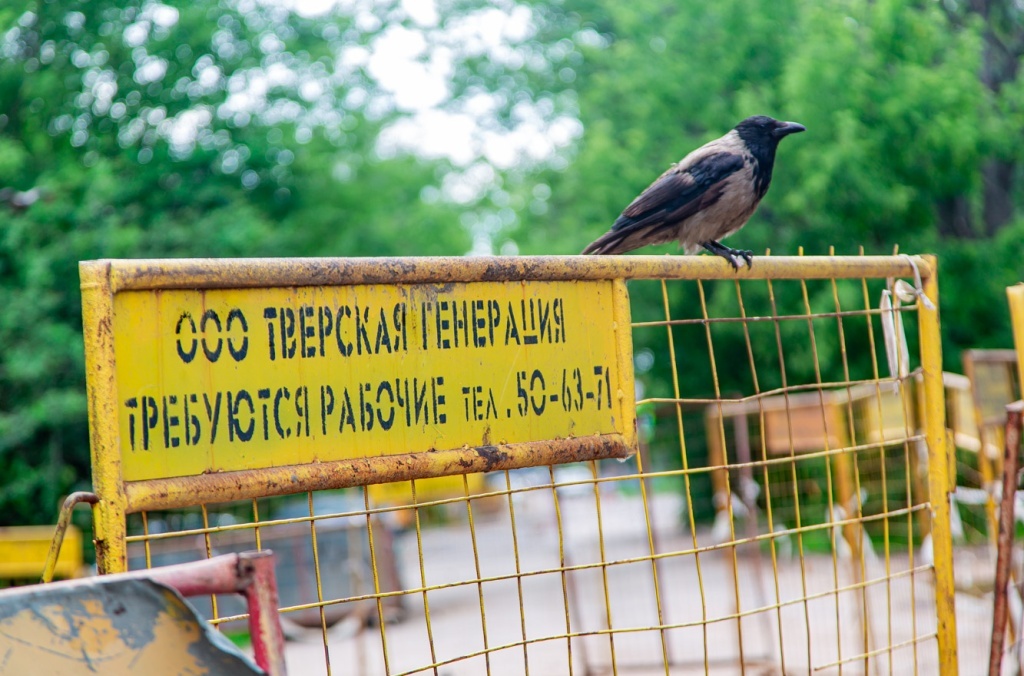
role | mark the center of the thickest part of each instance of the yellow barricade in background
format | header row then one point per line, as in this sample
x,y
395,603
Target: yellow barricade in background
x,y
23,550
1015,294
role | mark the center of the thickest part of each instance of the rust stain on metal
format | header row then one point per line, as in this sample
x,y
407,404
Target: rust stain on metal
x,y
428,292
493,455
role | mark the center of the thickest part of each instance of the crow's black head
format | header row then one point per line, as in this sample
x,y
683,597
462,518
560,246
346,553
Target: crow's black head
x,y
761,134
761,130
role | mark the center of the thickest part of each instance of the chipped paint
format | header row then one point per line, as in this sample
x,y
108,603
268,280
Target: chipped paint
x,y
110,626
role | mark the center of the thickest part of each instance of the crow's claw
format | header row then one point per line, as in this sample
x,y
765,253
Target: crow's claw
x,y
733,256
745,254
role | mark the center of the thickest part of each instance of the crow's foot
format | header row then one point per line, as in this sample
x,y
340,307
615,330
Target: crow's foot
x,y
734,256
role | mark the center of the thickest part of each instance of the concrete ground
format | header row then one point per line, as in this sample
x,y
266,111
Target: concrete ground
x,y
774,641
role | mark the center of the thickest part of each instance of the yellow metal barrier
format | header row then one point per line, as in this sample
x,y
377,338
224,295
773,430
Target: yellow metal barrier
x,y
1015,294
834,553
23,553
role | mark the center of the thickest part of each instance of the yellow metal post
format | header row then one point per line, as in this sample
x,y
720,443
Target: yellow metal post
x,y
1015,294
98,321
938,470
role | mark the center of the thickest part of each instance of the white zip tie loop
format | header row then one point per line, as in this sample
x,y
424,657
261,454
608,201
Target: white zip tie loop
x,y
899,291
908,293
895,338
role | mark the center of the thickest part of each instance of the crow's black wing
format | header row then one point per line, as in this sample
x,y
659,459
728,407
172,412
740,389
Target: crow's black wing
x,y
678,194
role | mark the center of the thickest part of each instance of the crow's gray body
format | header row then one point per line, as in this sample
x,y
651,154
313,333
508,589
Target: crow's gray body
x,y
710,194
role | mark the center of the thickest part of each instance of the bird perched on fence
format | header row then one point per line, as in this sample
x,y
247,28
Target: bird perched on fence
x,y
704,198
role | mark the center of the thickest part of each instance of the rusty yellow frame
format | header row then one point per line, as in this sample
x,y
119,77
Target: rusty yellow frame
x,y
101,280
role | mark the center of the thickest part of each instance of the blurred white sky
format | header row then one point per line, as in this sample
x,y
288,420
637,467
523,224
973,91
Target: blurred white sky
x,y
413,65
411,59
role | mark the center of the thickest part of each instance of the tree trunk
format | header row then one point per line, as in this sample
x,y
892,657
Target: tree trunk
x,y
955,217
1002,50
998,206
1004,45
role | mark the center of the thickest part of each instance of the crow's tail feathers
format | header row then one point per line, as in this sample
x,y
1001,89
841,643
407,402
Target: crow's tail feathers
x,y
629,235
611,242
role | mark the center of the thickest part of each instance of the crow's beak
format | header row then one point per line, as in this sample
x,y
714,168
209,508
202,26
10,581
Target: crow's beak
x,y
788,128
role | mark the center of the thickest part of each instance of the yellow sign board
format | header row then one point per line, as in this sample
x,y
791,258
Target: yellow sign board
x,y
223,379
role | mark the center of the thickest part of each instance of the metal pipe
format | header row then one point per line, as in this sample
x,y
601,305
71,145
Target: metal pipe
x,y
1004,555
63,521
264,623
259,483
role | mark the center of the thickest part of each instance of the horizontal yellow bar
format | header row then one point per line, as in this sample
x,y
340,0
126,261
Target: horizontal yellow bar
x,y
203,273
259,483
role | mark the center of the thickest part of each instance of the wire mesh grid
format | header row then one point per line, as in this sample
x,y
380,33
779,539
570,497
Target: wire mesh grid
x,y
776,519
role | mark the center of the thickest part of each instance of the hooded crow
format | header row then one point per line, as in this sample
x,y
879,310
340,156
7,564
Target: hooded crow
x,y
704,198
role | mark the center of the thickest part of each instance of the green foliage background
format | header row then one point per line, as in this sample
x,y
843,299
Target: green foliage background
x,y
912,110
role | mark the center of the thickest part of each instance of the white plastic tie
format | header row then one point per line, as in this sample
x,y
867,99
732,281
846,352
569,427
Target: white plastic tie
x,y
895,338
908,293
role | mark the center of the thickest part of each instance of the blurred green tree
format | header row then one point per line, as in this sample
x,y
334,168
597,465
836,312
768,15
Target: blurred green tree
x,y
144,130
211,129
